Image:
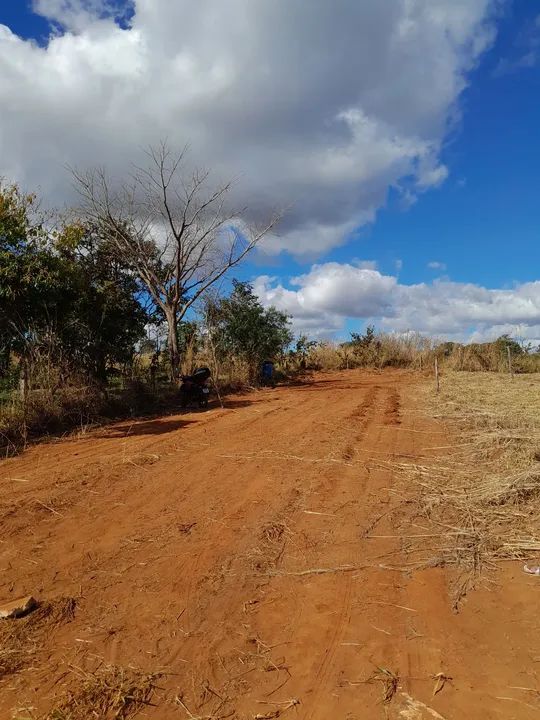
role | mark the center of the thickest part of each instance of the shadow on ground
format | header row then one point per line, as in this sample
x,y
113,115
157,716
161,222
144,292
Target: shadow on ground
x,y
236,404
159,426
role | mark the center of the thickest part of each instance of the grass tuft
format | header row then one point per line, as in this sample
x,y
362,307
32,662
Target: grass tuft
x,y
20,638
110,693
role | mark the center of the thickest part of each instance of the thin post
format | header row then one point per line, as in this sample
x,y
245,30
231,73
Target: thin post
x,y
510,369
217,393
214,360
23,390
437,385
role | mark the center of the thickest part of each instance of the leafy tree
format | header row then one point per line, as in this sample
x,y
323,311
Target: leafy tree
x,y
34,283
63,294
106,318
243,327
505,341
188,333
364,340
302,347
147,346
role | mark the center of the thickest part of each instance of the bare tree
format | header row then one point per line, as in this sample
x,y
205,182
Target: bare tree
x,y
178,234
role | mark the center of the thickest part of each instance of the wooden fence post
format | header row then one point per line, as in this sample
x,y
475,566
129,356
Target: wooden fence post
x,y
437,385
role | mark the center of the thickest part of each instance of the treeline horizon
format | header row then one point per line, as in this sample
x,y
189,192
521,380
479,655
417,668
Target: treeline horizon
x,y
79,290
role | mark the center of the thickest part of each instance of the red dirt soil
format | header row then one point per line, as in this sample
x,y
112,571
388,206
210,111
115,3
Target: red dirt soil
x,y
187,543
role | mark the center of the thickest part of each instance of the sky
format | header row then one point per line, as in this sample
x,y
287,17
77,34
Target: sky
x,y
399,136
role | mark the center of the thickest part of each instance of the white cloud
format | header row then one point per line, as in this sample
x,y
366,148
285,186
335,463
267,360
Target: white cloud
x,y
312,106
436,265
526,334
332,292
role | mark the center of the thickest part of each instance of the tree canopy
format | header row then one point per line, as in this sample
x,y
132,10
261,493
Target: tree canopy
x,y
243,327
63,291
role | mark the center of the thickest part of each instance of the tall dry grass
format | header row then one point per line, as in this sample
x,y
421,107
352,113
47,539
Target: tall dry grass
x,y
485,357
409,350
481,498
414,351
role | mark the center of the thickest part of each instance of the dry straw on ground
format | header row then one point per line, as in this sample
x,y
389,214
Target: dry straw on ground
x,y
21,638
110,693
480,498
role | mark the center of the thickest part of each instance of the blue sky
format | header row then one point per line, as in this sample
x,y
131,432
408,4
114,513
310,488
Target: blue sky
x,y
414,199
484,222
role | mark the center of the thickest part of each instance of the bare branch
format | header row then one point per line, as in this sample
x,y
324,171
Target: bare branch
x,y
176,233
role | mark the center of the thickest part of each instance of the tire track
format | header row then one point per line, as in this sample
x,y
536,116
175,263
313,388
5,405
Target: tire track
x,y
364,416
392,408
328,664
365,412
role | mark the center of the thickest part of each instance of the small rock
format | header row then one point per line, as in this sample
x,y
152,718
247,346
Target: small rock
x,y
18,607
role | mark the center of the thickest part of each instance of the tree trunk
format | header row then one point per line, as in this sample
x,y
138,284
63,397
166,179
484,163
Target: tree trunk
x,y
172,344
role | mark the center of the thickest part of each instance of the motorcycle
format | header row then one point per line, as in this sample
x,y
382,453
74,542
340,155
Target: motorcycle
x,y
194,389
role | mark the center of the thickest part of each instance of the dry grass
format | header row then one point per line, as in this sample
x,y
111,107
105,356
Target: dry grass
x,y
411,350
110,693
481,497
389,682
269,551
485,357
21,638
386,350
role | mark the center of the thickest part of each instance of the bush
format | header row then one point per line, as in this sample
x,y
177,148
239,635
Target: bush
x,y
52,413
488,357
370,351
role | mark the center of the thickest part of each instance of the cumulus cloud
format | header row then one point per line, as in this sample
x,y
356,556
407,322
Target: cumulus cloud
x,y
436,265
332,292
311,106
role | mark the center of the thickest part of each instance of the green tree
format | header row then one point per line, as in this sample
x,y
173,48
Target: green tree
x,y
301,349
505,342
243,327
64,295
364,340
106,318
188,335
34,283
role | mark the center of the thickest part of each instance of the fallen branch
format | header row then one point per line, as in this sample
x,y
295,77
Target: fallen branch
x,y
50,509
381,602
317,571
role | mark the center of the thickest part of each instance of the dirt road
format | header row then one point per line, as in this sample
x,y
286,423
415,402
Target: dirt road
x,y
250,556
